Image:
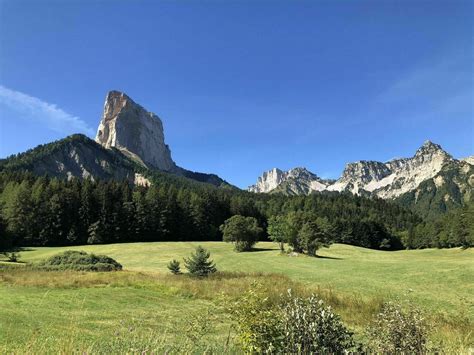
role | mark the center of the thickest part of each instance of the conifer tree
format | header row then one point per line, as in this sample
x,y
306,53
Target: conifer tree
x,y
199,264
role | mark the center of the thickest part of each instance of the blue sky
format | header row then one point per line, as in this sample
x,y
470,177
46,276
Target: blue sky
x,y
245,86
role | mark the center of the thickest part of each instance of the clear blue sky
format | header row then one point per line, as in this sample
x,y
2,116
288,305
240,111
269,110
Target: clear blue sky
x,y
245,86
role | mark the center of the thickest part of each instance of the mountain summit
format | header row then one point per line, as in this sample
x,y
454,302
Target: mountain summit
x,y
134,131
129,139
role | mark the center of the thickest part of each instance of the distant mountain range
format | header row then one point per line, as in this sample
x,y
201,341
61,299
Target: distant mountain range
x,y
130,145
431,178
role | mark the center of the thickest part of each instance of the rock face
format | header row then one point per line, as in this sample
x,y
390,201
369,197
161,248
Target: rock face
x,y
136,132
393,178
295,181
387,180
469,160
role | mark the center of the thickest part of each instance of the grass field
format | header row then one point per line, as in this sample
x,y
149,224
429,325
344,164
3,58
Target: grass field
x,y
144,306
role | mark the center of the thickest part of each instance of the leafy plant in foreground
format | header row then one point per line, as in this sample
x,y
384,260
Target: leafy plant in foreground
x,y
292,326
399,330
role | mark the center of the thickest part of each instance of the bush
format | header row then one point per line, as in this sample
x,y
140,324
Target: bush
x,y
12,257
398,329
292,326
173,267
242,231
311,327
258,328
79,261
198,264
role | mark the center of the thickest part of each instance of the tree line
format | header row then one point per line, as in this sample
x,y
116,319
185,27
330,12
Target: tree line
x,y
49,211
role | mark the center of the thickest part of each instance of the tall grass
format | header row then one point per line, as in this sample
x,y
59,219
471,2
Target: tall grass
x,y
137,333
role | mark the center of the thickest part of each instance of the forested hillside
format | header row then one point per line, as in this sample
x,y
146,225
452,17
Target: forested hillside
x,y
50,211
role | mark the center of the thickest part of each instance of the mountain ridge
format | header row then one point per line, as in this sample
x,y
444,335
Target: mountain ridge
x,y
427,172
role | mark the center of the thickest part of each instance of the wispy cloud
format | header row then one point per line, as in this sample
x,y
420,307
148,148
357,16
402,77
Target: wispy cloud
x,y
34,109
440,88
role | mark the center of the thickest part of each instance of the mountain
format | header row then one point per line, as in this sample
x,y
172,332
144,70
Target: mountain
x,y
74,156
431,178
297,181
130,141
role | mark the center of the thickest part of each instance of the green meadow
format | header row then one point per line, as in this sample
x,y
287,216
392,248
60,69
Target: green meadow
x,y
144,308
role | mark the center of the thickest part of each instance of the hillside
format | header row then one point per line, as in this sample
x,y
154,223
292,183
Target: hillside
x,y
74,156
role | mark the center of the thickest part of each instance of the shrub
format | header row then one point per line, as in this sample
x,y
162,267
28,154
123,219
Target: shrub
x,y
292,326
174,267
258,328
12,257
80,261
242,231
398,329
198,264
311,327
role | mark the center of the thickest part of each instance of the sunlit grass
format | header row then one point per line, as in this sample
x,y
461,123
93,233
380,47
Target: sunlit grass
x,y
68,311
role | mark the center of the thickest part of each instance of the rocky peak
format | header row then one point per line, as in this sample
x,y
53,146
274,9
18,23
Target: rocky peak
x,y
429,149
297,179
137,133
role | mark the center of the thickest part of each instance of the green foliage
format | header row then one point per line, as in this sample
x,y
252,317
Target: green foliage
x,y
79,261
174,267
311,327
198,264
242,231
11,256
277,230
257,324
38,211
292,325
314,235
399,330
454,229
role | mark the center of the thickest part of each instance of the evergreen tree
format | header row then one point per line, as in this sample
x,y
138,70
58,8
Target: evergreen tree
x,y
174,267
199,264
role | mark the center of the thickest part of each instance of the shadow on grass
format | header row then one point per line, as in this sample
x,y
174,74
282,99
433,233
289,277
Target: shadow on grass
x,y
327,257
259,249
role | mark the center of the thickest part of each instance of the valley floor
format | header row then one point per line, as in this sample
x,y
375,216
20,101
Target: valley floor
x,y
146,307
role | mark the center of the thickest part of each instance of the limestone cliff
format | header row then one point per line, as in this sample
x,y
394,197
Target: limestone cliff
x,y
136,132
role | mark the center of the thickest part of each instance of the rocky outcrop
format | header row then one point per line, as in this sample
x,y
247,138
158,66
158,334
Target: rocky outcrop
x,y
469,160
137,133
295,181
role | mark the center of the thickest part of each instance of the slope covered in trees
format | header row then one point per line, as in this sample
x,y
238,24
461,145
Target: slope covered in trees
x,y
50,211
